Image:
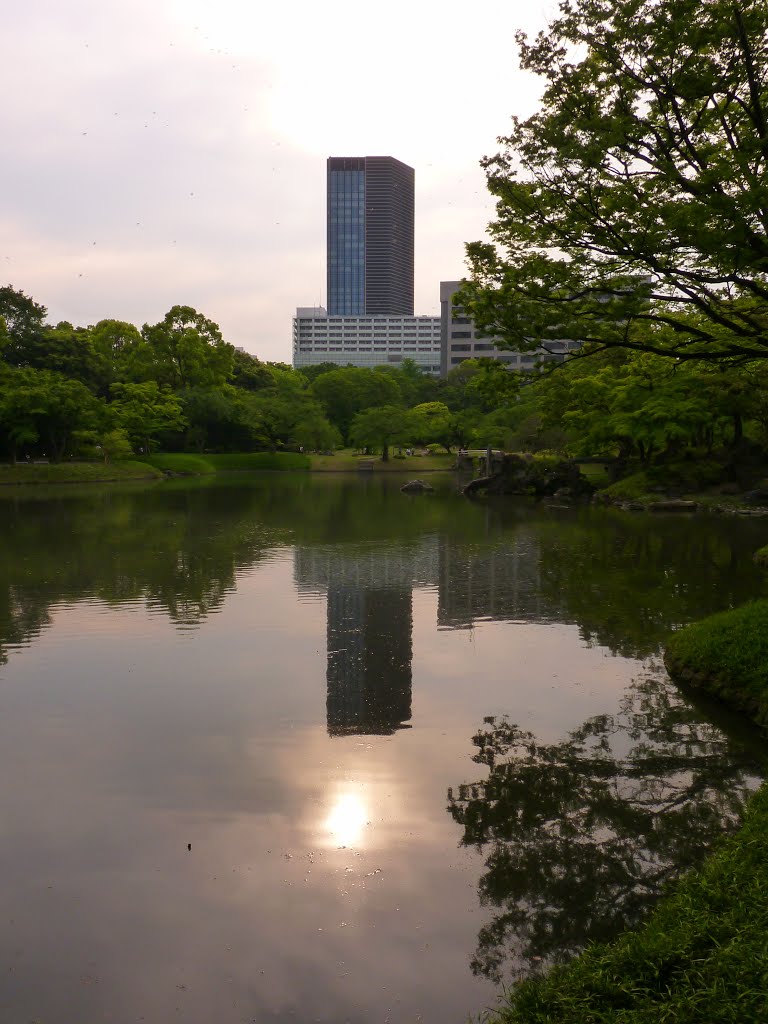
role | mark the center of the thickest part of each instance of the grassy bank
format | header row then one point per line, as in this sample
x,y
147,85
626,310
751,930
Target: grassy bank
x,y
702,957
726,655
75,472
202,465
761,557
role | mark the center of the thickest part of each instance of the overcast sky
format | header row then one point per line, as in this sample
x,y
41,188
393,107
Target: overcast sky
x,y
165,152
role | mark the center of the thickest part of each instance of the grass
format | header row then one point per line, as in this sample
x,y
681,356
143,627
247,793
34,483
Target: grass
x,y
726,655
632,488
180,462
761,557
75,472
202,465
702,958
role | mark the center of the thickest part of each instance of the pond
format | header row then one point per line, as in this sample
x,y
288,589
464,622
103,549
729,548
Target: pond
x,y
293,748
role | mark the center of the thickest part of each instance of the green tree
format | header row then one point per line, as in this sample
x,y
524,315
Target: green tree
x,y
380,427
24,320
249,373
346,392
185,349
145,411
42,409
115,342
632,208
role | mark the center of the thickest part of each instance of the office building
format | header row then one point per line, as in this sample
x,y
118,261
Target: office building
x,y
460,340
366,341
370,236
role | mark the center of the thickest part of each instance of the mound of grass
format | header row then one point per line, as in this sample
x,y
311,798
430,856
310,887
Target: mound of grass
x,y
726,655
702,956
259,460
761,557
75,472
181,462
632,488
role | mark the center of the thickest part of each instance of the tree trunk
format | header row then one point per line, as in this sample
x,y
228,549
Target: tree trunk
x,y
738,428
385,452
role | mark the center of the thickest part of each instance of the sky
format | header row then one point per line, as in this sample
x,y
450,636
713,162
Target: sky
x,y
172,152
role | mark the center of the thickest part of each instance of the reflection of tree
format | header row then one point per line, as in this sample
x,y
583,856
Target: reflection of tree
x,y
582,835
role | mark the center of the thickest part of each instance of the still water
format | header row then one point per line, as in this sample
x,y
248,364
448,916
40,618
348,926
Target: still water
x,y
281,748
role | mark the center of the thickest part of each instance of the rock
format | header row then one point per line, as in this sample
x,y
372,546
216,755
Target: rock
x,y
416,487
673,505
516,474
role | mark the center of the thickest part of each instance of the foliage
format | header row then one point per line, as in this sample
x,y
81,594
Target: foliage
x,y
146,411
185,349
248,372
632,207
345,393
380,427
23,321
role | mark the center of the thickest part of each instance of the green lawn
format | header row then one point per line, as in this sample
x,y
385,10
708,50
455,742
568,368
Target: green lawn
x,y
75,472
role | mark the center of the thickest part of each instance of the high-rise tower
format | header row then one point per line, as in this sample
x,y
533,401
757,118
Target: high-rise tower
x,y
370,236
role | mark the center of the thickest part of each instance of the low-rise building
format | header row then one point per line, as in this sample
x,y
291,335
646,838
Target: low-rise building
x,y
365,341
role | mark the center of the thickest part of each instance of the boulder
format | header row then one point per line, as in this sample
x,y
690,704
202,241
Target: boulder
x,y
416,487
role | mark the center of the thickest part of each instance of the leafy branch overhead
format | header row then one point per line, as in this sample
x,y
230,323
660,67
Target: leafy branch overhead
x,y
632,208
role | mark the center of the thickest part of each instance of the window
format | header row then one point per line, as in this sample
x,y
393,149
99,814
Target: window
x,y
461,334
460,320
457,359
483,348
461,348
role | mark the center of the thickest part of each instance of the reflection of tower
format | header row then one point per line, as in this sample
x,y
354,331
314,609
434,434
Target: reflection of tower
x,y
369,659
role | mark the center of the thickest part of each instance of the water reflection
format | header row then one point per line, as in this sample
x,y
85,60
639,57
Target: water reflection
x,y
581,836
281,670
369,649
347,819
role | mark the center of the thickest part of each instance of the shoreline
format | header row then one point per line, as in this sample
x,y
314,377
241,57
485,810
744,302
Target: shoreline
x,y
701,954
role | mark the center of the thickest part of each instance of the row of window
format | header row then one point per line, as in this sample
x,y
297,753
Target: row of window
x,y
365,348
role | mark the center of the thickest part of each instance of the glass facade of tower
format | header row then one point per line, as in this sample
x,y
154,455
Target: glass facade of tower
x,y
370,236
346,238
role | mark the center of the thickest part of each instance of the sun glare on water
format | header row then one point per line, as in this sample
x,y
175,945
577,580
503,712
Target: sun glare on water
x,y
347,820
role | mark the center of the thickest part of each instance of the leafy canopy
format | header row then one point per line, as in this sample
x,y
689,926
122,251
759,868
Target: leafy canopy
x,y
632,208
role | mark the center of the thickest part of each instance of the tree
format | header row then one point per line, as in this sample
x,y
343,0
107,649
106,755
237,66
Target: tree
x,y
115,341
381,427
145,411
24,320
186,349
249,373
346,392
38,407
632,209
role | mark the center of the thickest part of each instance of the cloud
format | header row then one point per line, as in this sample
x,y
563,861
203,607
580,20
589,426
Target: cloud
x,y
164,153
